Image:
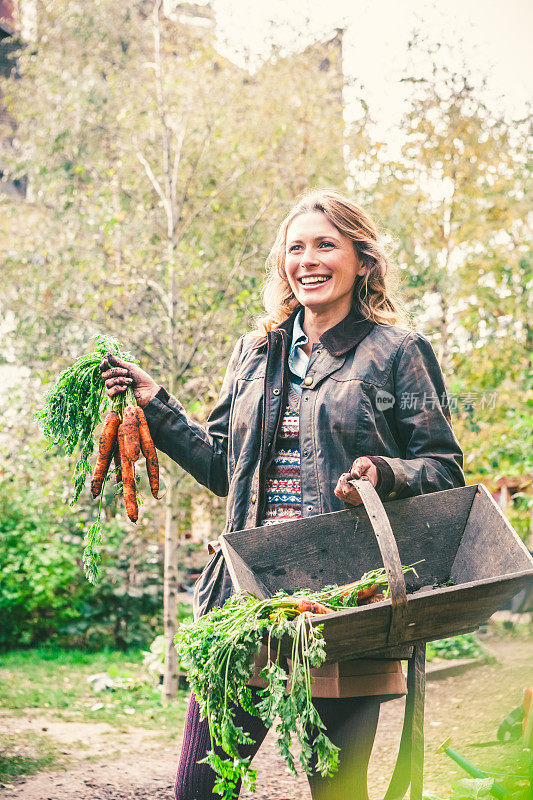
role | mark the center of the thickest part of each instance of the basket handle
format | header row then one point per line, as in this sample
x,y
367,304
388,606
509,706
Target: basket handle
x,y
389,553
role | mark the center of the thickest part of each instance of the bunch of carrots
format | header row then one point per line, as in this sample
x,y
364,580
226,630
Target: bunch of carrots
x,y
71,412
122,441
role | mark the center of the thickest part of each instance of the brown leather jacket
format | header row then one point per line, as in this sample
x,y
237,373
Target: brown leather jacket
x,y
370,390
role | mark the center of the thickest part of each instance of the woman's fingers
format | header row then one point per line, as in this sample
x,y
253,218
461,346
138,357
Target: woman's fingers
x,y
115,372
117,379
362,466
344,491
111,362
119,375
116,386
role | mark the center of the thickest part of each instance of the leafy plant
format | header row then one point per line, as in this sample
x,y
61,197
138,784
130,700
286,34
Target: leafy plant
x,y
218,653
75,406
72,410
154,658
468,788
465,645
43,596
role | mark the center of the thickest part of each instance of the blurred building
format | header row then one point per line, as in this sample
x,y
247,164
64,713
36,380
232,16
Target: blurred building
x,y
9,43
299,78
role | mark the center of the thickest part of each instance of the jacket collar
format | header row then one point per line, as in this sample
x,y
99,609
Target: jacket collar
x,y
347,333
344,336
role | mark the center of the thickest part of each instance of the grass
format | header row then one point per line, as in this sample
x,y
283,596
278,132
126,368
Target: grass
x,y
25,754
56,681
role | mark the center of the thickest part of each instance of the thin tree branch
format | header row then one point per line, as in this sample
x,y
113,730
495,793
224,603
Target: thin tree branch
x,y
234,177
175,169
148,282
115,331
241,258
166,133
155,183
192,172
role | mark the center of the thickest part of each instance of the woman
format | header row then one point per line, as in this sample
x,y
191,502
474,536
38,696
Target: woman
x,y
329,389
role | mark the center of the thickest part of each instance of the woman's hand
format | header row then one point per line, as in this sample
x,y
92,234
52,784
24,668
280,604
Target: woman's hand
x,y
361,466
119,375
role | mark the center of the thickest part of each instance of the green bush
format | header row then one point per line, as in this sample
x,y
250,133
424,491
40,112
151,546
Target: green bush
x,y
44,596
463,646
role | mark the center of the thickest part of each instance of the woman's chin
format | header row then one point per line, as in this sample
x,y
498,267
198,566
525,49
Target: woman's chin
x,y
314,297
316,303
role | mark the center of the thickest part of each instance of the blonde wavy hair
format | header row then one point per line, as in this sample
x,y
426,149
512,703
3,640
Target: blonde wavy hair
x,y
375,292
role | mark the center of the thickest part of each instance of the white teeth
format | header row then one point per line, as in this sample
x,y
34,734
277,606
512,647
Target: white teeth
x,y
314,279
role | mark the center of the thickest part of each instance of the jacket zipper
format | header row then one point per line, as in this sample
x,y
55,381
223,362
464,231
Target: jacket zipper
x,y
266,448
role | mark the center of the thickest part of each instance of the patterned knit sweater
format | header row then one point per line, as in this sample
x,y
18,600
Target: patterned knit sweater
x,y
283,487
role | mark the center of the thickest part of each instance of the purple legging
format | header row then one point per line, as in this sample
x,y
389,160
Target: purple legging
x,y
350,723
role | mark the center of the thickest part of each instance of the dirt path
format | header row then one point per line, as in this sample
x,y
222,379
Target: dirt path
x,y
105,764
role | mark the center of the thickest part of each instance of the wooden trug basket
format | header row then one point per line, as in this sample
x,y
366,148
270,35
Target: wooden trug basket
x,y
460,533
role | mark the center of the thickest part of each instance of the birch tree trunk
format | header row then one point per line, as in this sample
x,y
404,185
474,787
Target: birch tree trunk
x,y
170,588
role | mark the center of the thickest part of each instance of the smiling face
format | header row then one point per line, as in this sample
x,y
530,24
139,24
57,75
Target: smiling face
x,y
321,264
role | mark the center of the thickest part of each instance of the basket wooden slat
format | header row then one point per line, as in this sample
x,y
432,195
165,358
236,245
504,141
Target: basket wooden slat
x,y
461,534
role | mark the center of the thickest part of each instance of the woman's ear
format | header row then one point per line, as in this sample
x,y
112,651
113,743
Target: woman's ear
x,y
361,270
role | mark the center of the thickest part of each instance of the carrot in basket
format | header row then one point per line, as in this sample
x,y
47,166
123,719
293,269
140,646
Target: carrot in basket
x,y
366,593
128,479
376,598
108,438
132,446
149,452
303,605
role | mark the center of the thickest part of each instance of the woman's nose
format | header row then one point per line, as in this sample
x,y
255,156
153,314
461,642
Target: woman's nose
x,y
308,258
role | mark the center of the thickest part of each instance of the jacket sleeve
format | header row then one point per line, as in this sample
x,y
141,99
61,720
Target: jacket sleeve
x,y
202,452
432,458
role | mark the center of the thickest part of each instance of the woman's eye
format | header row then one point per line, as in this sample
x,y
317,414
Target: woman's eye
x,y
294,247
328,244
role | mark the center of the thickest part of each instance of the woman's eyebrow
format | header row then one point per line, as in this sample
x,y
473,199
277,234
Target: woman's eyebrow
x,y
319,238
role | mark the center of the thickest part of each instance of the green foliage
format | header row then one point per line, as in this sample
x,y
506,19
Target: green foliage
x,y
457,201
75,405
465,645
218,653
472,788
159,174
154,658
43,596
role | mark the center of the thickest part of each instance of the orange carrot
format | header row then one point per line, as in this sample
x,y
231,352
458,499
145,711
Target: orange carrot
x,y
116,464
128,478
149,452
130,421
108,438
375,598
303,605
364,594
